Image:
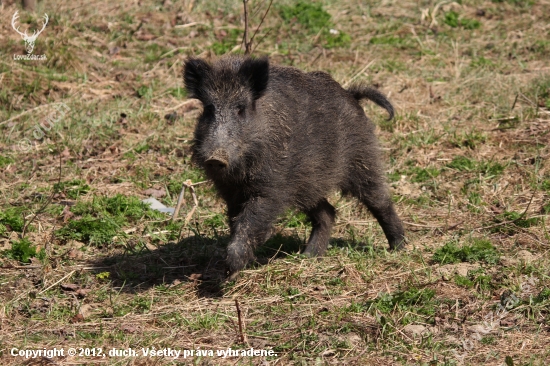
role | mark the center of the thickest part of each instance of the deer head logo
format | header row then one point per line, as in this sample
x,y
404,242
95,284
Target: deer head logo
x,y
29,40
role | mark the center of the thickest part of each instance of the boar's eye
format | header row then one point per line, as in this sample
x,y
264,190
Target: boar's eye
x,y
240,110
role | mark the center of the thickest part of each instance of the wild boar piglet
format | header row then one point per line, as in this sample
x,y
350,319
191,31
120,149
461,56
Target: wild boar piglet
x,y
273,137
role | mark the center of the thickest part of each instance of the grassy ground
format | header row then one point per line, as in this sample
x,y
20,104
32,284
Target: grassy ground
x,y
84,264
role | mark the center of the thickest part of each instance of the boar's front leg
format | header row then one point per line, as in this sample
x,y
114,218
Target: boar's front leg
x,y
322,219
249,229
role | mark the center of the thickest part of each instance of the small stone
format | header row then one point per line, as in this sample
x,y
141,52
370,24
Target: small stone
x,y
449,270
481,328
415,330
525,256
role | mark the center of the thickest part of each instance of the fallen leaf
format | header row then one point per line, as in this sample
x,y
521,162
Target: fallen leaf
x,y
70,286
114,149
74,254
77,318
83,292
67,214
129,328
85,310
156,193
35,261
195,276
66,153
176,282
145,37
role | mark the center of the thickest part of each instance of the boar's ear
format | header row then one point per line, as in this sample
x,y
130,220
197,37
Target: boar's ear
x,y
255,72
194,73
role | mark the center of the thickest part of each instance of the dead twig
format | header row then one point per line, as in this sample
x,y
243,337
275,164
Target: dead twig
x,y
45,205
181,200
61,280
27,112
515,101
241,334
261,39
261,22
248,42
433,226
511,221
245,36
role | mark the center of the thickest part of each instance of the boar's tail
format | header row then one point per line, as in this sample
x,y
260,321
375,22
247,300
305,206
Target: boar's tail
x,y
360,91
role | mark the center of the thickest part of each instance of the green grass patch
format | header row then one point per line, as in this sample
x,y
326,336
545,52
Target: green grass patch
x,y
315,20
144,91
11,220
542,297
521,3
453,19
488,340
104,217
481,250
519,219
5,160
92,230
216,221
296,219
413,301
462,163
23,250
393,41
487,168
227,43
420,175
72,189
542,91
482,62
540,46
311,16
154,52
470,140
178,92
491,168
512,221
475,279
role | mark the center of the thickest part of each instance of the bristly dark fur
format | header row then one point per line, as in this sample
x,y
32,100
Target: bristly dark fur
x,y
361,91
273,137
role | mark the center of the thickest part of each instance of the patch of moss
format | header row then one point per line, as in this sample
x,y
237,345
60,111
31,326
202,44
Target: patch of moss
x,y
481,250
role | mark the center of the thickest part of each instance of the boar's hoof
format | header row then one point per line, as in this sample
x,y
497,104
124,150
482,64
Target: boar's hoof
x,y
398,245
233,276
218,160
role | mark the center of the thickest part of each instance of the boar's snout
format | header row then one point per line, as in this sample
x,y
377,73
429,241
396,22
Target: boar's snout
x,y
218,160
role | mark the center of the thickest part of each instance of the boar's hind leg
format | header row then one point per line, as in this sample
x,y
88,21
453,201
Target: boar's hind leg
x,y
376,197
322,218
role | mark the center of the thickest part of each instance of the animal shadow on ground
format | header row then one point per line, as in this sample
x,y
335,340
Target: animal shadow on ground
x,y
197,258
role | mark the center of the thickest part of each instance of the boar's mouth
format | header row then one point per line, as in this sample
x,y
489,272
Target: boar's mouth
x,y
218,160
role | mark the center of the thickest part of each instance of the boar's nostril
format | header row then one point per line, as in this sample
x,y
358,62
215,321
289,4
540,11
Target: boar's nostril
x,y
213,163
219,159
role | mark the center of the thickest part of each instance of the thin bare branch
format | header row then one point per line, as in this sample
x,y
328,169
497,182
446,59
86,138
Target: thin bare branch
x,y
245,39
261,22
